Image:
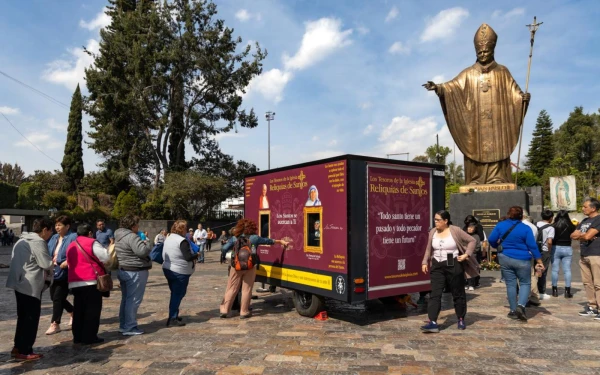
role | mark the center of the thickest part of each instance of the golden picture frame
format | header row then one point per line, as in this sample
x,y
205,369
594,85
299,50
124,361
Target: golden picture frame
x,y
307,228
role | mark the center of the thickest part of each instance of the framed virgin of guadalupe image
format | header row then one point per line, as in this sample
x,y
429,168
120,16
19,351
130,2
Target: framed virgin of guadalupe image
x,y
264,218
313,235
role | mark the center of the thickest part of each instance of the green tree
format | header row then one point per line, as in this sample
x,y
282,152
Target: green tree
x,y
576,141
217,164
127,203
11,174
72,163
527,179
450,189
455,173
541,148
191,195
167,73
421,158
55,199
437,154
8,195
30,195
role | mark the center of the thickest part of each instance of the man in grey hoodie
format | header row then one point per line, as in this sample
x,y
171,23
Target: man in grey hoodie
x,y
30,264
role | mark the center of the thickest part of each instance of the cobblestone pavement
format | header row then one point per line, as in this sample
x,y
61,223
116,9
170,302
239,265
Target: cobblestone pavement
x,y
371,339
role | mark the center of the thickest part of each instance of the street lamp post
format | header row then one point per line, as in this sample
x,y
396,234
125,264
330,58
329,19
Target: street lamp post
x,y
269,116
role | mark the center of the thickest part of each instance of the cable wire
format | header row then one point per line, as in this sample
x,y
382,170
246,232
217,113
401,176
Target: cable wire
x,y
27,139
55,101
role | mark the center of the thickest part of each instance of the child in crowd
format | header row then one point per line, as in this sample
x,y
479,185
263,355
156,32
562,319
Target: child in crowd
x,y
473,282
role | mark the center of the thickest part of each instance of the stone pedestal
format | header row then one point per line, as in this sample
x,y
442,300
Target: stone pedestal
x,y
489,207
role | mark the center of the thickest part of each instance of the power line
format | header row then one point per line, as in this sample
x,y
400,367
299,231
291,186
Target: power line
x,y
55,101
27,139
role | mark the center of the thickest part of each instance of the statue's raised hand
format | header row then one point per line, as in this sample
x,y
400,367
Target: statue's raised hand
x,y
430,85
526,97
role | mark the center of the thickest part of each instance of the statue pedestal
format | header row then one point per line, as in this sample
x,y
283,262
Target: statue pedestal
x,y
487,188
488,207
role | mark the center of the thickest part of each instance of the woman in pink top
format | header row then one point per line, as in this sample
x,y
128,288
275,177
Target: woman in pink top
x,y
86,258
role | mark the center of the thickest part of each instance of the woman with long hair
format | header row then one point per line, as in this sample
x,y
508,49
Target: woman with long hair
x,y
518,243
562,252
178,266
448,259
248,229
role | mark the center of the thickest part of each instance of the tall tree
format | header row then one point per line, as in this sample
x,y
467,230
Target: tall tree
x,y
576,141
72,163
167,73
455,173
541,148
11,174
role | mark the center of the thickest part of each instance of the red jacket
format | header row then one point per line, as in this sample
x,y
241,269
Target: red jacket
x,y
80,265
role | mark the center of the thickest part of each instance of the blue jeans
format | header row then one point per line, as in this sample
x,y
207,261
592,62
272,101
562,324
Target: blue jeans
x,y
178,284
562,257
513,270
201,252
133,286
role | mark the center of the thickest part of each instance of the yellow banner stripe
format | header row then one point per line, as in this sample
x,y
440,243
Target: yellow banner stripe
x,y
295,276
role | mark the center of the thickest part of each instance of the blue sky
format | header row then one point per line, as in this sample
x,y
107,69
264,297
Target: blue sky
x,y
342,76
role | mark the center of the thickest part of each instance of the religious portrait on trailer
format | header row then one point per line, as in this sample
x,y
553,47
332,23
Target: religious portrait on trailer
x,y
263,200
313,197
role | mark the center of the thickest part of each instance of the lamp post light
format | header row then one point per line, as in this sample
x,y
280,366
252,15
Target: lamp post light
x,y
269,116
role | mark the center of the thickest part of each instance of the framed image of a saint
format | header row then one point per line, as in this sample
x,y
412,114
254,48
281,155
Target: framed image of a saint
x,y
563,193
313,233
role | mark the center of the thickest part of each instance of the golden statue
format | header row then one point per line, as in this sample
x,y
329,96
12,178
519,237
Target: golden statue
x,y
484,107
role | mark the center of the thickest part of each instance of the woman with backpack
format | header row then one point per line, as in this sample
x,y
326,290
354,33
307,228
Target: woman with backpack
x,y
244,243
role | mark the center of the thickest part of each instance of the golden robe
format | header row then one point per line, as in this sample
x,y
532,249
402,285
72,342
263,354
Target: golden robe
x,y
483,107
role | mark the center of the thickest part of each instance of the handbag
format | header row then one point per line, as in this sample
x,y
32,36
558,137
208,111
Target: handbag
x,y
499,248
113,261
104,282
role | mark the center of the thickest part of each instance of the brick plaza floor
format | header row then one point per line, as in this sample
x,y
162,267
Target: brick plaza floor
x,y
371,339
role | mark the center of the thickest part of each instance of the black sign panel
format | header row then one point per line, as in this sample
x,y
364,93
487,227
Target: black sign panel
x,y
488,218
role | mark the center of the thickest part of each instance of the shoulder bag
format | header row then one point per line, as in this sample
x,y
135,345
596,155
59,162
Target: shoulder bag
x,y
500,249
104,282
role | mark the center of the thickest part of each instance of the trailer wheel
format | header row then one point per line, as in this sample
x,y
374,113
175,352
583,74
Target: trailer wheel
x,y
308,304
388,301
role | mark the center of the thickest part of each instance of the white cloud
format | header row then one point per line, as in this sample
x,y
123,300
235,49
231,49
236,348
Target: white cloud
x,y
9,110
444,24
438,79
321,38
243,15
332,143
398,48
315,138
101,21
220,136
71,72
368,129
404,134
393,13
270,84
53,124
516,12
41,140
362,30
365,105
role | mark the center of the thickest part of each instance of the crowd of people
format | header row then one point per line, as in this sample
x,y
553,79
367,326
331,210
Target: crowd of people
x,y
525,252
54,257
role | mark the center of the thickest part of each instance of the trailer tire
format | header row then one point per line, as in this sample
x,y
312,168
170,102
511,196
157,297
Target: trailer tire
x,y
308,304
388,301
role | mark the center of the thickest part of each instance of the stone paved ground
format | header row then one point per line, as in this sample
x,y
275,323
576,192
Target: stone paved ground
x,y
370,339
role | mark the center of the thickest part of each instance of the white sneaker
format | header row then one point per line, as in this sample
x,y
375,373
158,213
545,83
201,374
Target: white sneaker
x,y
471,288
135,332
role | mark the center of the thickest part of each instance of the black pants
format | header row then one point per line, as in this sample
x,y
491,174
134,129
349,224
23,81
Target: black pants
x,y
454,277
59,292
208,244
86,314
546,259
28,320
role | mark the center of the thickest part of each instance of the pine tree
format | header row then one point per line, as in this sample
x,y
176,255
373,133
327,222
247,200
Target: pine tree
x,y
541,150
72,163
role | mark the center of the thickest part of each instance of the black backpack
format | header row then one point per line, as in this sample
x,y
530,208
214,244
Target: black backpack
x,y
540,237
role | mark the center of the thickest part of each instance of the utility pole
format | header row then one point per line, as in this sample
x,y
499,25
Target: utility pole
x,y
437,150
269,116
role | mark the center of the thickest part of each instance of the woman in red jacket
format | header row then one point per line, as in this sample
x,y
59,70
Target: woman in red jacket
x,y
86,258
